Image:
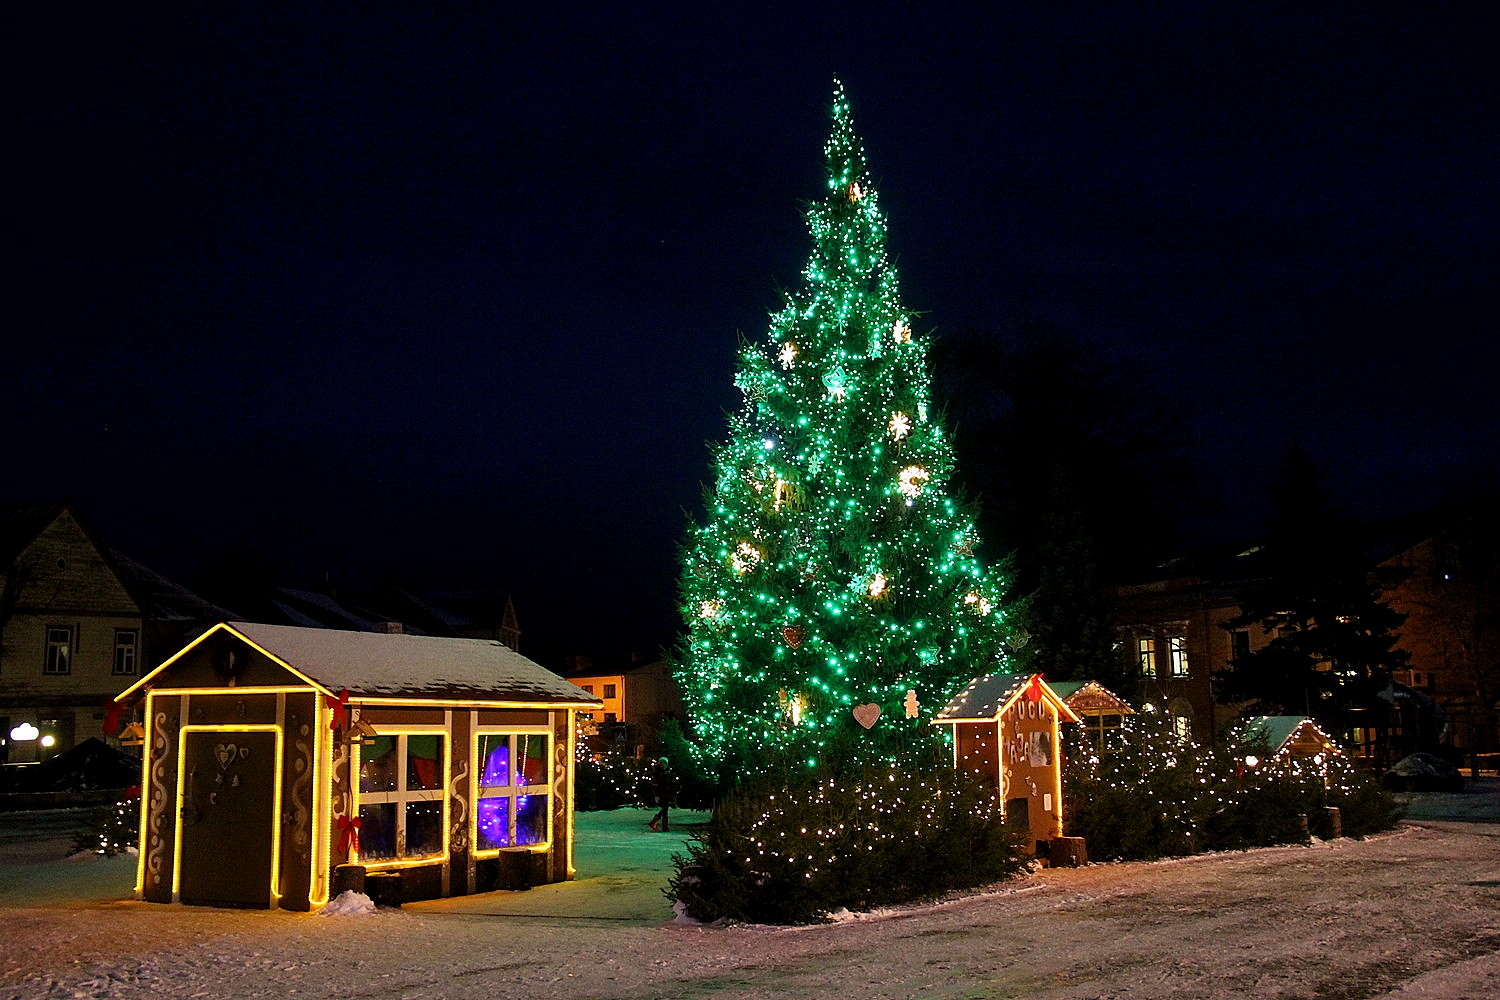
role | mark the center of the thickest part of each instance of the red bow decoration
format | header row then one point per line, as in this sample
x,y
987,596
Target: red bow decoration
x,y
340,706
350,828
1034,689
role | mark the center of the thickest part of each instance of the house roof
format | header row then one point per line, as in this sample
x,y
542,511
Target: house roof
x,y
988,696
21,524
161,599
398,665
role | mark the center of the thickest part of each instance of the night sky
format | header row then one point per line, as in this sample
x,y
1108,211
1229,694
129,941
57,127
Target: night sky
x,y
453,291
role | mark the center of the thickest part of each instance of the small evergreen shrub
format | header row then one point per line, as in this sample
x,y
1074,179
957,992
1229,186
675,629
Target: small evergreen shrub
x,y
1136,801
115,829
609,781
874,837
1154,794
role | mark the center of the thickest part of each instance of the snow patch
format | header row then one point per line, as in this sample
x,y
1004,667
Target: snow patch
x,y
348,904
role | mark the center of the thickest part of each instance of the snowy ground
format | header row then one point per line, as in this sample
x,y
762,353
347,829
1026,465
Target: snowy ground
x,y
1410,915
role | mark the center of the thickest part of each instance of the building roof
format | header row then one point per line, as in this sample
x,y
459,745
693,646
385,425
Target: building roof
x,y
390,665
161,599
988,696
21,524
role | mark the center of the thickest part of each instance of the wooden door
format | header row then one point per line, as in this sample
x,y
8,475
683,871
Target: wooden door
x,y
228,818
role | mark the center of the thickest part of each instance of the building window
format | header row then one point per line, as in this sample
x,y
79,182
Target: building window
x,y
59,650
401,801
1177,652
609,691
588,688
1146,651
1239,645
126,648
515,788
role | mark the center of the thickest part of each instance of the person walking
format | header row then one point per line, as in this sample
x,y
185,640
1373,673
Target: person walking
x,y
661,788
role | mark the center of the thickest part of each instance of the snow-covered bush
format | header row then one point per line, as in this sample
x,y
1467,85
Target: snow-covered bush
x,y
872,837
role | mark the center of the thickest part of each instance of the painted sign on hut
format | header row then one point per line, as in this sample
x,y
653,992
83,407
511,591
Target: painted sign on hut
x,y
276,754
1005,730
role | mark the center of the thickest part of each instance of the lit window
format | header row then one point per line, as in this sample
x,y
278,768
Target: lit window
x,y
1182,727
1146,652
514,790
401,801
126,646
59,650
1177,651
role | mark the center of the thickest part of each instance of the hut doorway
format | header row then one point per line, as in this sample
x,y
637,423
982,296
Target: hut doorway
x,y
228,848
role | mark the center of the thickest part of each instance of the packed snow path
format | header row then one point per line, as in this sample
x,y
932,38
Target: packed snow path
x,y
1410,914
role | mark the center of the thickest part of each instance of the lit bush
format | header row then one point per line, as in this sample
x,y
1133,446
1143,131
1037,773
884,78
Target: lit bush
x,y
875,837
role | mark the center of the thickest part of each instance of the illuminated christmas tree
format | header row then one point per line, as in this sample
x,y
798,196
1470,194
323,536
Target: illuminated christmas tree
x,y
833,599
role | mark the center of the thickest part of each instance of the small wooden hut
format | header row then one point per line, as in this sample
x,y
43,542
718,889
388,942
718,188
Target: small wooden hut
x,y
274,755
1287,737
1005,730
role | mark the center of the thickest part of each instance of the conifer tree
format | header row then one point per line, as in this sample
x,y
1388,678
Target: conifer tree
x,y
1332,638
836,573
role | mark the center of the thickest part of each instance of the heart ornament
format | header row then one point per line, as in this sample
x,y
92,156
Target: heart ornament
x,y
794,634
866,715
225,754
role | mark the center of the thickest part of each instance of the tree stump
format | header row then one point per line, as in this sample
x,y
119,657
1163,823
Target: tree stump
x,y
1067,852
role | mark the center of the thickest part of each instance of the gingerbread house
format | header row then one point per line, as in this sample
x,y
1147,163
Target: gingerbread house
x,y
438,766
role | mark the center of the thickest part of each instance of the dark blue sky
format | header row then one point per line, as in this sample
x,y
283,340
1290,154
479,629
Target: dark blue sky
x,y
453,290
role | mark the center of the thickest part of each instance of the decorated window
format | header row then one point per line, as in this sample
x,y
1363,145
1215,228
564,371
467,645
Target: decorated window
x,y
401,802
1177,651
515,790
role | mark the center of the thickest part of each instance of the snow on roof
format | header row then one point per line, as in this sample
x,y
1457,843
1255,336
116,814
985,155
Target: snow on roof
x,y
987,696
380,664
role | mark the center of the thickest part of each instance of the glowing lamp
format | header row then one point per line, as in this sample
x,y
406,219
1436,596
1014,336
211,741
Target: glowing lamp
x,y
25,733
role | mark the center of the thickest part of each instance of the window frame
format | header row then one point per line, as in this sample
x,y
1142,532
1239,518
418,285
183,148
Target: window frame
x,y
511,791
1145,652
1177,655
51,646
128,652
401,796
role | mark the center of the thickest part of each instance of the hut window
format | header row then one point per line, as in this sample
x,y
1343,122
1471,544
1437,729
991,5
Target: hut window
x,y
515,790
401,802
1103,731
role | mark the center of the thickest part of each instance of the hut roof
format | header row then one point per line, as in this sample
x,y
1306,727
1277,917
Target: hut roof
x,y
988,696
387,665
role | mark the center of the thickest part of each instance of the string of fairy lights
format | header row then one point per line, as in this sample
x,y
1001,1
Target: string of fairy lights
x,y
834,569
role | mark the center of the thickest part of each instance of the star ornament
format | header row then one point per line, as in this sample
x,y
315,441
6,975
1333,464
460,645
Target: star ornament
x,y
899,426
788,354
